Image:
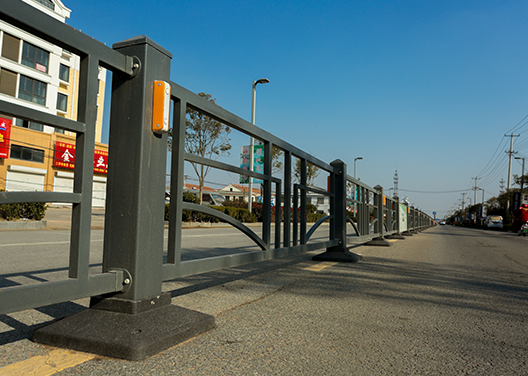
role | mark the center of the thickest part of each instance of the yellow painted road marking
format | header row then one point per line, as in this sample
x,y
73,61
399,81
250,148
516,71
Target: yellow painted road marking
x,y
392,240
55,361
321,266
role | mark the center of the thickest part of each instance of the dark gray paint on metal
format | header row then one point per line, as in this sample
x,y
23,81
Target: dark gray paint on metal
x,y
133,238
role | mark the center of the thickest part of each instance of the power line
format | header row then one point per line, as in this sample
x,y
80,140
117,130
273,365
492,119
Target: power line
x,y
434,192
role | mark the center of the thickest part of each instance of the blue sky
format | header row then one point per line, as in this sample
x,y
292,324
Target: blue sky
x,y
429,88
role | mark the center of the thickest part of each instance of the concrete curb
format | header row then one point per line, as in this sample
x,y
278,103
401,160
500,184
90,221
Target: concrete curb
x,y
23,225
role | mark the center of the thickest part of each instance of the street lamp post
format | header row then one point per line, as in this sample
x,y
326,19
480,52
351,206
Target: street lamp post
x,y
355,160
252,140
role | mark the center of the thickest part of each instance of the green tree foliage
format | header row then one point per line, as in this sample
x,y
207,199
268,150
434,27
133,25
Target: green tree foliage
x,y
204,137
312,172
521,181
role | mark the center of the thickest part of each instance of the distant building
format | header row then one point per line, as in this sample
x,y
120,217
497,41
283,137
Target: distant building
x,y
196,187
39,75
209,195
239,192
320,201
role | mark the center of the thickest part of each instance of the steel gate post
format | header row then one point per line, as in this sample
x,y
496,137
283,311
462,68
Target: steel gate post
x,y
412,229
398,235
380,241
338,222
140,321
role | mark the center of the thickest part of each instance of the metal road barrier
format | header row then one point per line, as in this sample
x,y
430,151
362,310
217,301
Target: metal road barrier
x,y
130,284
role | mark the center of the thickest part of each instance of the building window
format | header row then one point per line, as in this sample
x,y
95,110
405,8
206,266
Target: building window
x,y
27,154
32,90
320,200
8,82
58,130
64,73
29,124
35,57
47,3
62,102
10,47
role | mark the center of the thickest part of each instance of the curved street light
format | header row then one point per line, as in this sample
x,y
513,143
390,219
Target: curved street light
x,y
355,160
252,140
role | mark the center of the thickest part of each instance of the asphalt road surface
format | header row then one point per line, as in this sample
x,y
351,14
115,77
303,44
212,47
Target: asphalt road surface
x,y
33,256
448,301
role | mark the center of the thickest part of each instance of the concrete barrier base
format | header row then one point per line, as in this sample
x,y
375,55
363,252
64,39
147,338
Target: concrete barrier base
x,y
396,236
123,335
345,256
379,242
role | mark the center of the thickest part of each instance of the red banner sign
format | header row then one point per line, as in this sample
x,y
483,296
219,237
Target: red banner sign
x,y
5,137
101,161
65,158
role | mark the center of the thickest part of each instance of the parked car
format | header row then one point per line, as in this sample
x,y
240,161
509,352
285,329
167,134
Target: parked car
x,y
208,198
493,221
442,223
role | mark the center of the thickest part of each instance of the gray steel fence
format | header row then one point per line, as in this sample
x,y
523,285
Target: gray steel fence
x,y
133,267
93,54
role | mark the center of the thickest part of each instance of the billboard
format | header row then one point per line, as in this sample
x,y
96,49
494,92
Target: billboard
x,y
65,158
258,162
5,137
403,218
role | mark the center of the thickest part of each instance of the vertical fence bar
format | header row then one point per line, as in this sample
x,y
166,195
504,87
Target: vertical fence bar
x,y
278,214
266,215
388,212
83,173
363,212
176,189
287,198
295,214
303,201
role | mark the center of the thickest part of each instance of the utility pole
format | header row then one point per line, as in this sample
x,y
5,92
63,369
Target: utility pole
x,y
396,193
463,201
476,189
510,153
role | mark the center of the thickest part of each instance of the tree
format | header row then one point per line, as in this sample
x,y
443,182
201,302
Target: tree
x,y
521,181
311,172
205,137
